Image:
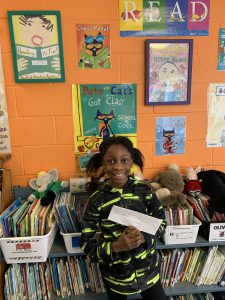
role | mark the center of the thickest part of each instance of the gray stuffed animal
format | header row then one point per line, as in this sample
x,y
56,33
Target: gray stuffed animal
x,y
168,186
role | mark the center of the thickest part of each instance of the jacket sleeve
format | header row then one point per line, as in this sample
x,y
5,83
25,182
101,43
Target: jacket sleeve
x,y
98,249
155,210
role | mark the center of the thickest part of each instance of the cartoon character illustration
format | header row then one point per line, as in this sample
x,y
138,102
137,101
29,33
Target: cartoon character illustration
x,y
95,54
105,127
169,144
221,52
170,85
92,141
37,48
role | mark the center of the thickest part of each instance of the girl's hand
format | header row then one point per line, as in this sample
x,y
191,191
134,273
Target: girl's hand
x,y
130,239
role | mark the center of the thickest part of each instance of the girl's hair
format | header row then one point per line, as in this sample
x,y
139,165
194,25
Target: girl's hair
x,y
95,162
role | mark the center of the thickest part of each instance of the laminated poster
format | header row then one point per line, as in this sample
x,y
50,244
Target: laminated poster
x,y
5,146
93,44
100,111
36,40
170,135
164,17
221,50
216,115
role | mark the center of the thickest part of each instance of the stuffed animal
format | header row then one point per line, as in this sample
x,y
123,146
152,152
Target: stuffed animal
x,y
213,185
192,185
169,186
46,186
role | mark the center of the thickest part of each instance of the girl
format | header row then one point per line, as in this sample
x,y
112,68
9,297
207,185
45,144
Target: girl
x,y
126,256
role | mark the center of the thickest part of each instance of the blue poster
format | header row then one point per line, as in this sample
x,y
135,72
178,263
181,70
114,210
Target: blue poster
x,y
170,135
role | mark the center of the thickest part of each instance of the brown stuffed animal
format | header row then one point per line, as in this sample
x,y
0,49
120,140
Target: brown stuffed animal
x,y
168,187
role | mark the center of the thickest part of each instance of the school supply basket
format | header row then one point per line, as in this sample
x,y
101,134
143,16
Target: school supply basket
x,y
28,249
182,234
72,242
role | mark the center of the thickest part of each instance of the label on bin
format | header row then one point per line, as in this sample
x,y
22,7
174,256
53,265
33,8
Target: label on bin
x,y
23,246
217,232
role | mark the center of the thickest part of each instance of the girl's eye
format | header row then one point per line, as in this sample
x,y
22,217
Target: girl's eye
x,y
125,161
111,161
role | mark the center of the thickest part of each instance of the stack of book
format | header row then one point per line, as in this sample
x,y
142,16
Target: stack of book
x,y
208,296
69,211
199,266
63,277
181,215
200,205
24,218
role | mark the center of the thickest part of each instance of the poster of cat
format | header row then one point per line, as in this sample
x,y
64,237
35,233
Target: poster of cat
x,y
93,44
170,135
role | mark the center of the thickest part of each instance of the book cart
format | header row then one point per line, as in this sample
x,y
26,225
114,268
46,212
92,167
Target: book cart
x,y
59,250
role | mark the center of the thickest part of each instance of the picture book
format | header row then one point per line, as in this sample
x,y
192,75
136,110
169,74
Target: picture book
x,y
43,220
33,217
21,223
4,231
17,215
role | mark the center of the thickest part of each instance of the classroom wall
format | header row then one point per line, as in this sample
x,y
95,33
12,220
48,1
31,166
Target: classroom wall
x,y
40,114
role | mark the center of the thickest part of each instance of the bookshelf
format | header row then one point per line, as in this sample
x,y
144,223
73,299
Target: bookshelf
x,y
59,250
5,200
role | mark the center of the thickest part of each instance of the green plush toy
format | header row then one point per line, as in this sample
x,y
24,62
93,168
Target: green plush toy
x,y
46,186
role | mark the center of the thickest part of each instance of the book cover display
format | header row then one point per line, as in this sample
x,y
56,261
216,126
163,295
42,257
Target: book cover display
x,y
93,44
170,135
100,111
221,50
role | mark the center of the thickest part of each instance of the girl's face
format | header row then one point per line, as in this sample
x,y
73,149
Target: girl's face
x,y
117,163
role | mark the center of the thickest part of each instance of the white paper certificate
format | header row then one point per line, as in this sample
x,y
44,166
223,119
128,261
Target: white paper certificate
x,y
133,218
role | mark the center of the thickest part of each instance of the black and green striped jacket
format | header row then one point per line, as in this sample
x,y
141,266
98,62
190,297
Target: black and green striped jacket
x,y
125,272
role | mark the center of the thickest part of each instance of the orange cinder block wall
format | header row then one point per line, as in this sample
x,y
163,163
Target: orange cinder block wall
x,y
40,115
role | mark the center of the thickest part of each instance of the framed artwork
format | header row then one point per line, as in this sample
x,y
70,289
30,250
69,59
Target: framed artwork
x,y
37,50
168,71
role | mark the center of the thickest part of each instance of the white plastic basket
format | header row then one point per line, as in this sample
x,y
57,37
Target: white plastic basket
x,y
72,242
182,234
28,249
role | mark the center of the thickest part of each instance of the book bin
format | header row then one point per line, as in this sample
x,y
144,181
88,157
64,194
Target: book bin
x,y
182,234
28,249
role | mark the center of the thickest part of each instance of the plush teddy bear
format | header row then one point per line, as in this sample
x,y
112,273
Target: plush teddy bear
x,y
213,185
46,186
192,185
169,185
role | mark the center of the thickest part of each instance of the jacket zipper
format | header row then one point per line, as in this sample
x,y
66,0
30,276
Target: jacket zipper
x,y
131,254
